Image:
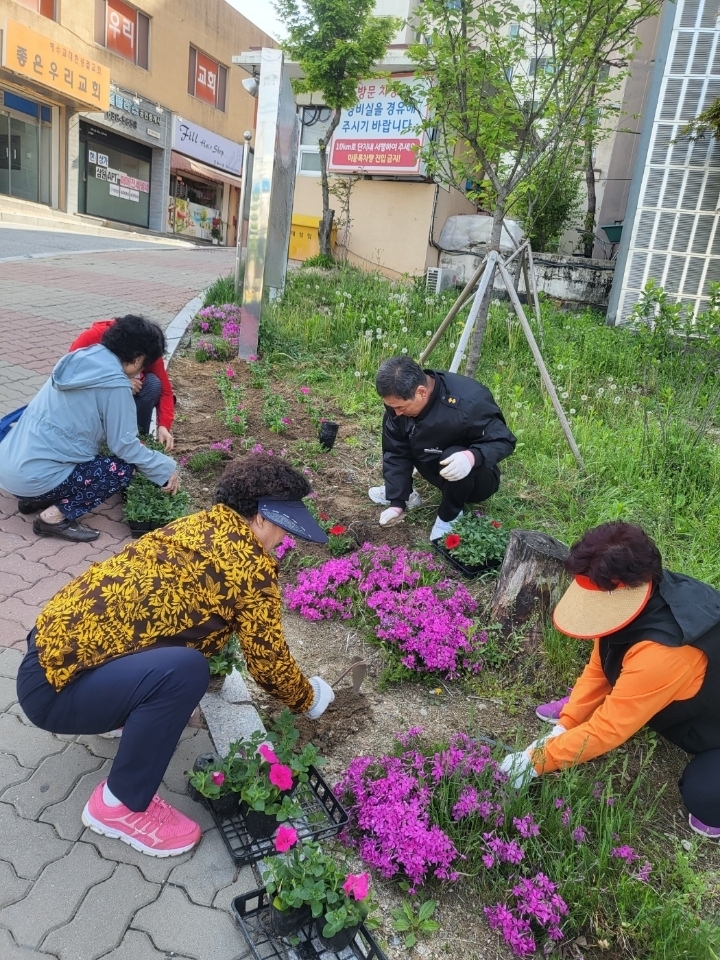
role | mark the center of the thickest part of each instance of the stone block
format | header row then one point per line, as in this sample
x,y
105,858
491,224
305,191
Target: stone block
x,y
66,815
8,695
235,689
138,946
208,871
56,895
29,745
153,869
52,781
9,950
228,721
28,846
103,917
12,887
178,926
244,882
10,661
11,772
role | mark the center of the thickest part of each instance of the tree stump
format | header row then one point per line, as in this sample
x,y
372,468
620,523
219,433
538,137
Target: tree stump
x,y
532,579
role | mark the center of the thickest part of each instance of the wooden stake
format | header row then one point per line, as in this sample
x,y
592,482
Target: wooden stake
x,y
453,312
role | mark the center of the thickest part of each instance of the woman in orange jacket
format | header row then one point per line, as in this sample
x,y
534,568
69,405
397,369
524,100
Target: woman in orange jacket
x,y
655,661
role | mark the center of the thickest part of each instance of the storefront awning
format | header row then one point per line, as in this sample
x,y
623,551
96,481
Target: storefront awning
x,y
178,162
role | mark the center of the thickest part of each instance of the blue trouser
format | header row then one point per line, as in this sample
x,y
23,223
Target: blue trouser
x,y
700,787
146,399
89,485
150,694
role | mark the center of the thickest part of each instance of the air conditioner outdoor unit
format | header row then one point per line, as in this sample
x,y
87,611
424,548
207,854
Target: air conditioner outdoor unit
x,y
439,279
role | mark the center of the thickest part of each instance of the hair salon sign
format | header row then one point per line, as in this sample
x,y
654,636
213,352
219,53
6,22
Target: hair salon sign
x,y
206,146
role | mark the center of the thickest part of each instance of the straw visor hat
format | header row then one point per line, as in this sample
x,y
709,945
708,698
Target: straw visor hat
x,y
587,611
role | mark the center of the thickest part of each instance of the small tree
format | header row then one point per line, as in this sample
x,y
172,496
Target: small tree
x,y
512,85
337,44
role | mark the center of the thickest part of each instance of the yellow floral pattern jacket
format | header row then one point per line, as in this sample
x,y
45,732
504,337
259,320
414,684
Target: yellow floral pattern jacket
x,y
194,582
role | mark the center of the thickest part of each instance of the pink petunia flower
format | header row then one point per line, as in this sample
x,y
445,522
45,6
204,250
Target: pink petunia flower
x,y
357,885
281,776
218,778
266,752
285,838
229,372
305,390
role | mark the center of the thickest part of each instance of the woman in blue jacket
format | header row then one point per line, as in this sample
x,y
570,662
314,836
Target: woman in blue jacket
x,y
50,460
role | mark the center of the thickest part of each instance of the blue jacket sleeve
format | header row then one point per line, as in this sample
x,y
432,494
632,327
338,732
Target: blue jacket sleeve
x,y
119,418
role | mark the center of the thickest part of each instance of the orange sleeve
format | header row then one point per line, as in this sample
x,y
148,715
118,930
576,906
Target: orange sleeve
x,y
91,336
652,677
589,691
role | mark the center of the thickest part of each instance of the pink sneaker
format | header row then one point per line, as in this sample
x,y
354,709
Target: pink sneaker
x,y
160,831
551,711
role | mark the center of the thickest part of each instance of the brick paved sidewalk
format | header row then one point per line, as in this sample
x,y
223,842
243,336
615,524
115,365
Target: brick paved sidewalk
x,y
66,892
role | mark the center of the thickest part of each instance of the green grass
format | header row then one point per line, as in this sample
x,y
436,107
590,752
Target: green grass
x,y
223,290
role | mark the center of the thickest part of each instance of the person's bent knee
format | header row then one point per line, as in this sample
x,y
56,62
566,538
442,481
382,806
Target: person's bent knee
x,y
151,388
698,787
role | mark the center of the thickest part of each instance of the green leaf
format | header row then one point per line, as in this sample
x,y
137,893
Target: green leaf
x,y
410,940
426,910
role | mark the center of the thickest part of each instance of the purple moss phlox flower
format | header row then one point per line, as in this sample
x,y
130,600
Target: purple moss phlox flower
x,y
598,789
224,445
610,801
643,873
624,852
535,902
505,851
526,826
286,544
566,816
579,834
183,460
305,390
559,802
411,734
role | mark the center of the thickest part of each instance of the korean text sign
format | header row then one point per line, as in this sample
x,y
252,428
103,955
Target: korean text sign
x,y
121,29
55,65
206,79
378,134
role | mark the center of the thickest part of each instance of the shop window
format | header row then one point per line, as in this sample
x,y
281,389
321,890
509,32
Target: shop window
x,y
115,177
123,30
207,79
315,123
46,8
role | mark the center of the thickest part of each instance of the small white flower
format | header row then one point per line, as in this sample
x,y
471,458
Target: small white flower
x,y
358,374
348,295
452,346
564,394
600,391
617,399
404,329
610,379
378,331
428,333
572,410
363,320
636,403
561,366
394,346
584,397
613,386
404,350
385,345
501,363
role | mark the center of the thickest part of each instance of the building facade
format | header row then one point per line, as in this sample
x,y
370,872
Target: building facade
x,y
672,229
127,112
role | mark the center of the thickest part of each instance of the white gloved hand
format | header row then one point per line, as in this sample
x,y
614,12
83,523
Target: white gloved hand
x,y
457,465
324,696
390,516
519,768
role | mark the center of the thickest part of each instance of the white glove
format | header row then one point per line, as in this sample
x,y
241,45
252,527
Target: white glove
x,y
457,465
390,516
519,768
324,696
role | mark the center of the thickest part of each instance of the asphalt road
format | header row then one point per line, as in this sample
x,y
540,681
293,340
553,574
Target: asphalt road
x,y
31,243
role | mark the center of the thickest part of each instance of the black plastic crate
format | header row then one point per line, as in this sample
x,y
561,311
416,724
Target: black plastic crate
x,y
469,572
252,912
322,817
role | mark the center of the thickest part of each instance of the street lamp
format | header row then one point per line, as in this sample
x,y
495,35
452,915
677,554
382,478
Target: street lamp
x,y
244,192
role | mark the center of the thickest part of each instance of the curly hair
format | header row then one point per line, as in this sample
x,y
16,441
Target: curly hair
x,y
255,476
130,337
614,553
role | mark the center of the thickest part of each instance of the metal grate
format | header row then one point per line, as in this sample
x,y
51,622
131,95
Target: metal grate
x,y
251,912
322,817
674,239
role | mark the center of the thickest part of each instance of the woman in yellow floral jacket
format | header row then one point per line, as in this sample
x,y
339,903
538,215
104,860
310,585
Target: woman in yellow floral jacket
x,y
126,644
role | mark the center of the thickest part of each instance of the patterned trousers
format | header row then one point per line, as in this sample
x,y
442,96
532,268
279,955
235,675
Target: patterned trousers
x,y
89,485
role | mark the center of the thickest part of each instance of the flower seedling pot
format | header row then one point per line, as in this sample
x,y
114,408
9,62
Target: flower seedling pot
x,y
468,571
201,763
328,434
257,823
341,940
283,923
139,527
224,806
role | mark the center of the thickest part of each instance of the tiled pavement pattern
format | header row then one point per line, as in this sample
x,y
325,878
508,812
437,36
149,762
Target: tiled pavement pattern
x,y
66,892
47,302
